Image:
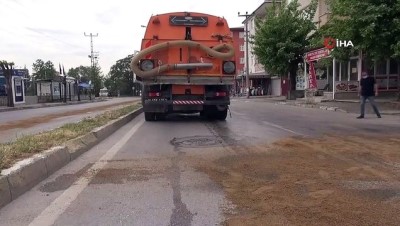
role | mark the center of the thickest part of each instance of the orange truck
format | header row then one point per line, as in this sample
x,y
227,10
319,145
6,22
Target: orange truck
x,y
186,65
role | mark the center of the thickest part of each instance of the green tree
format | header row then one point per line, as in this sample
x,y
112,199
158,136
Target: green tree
x,y
373,26
282,37
120,77
86,74
44,70
7,68
82,73
96,77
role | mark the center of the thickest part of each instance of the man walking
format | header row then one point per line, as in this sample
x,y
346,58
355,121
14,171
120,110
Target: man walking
x,y
368,89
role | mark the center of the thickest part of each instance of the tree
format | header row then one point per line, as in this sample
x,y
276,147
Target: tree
x,y
373,26
7,68
86,74
282,37
96,78
120,77
82,73
44,70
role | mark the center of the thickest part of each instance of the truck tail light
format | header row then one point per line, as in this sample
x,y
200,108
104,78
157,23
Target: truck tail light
x,y
220,94
154,94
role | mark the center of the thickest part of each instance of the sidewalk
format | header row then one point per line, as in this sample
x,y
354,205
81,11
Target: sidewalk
x,y
43,105
385,106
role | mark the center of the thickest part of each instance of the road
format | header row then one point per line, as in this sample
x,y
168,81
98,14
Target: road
x,y
14,124
146,174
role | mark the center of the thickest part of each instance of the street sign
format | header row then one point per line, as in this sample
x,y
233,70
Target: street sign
x,y
317,54
312,79
16,72
188,20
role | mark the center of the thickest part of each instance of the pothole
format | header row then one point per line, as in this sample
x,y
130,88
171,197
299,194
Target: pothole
x,y
196,141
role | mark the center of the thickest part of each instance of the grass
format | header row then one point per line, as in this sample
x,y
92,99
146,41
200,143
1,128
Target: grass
x,y
29,145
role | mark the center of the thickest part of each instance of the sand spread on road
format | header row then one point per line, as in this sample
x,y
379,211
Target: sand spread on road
x,y
330,180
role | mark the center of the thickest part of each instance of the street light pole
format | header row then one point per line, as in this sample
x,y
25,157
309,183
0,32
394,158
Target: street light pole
x,y
247,50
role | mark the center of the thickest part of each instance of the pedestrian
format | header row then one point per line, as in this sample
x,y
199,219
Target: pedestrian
x,y
368,89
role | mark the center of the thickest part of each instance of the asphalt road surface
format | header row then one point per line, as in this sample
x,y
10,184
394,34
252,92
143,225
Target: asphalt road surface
x,y
138,175
14,124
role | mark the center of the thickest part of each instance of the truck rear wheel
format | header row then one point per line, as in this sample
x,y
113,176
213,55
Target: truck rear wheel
x,y
213,113
149,116
221,115
202,113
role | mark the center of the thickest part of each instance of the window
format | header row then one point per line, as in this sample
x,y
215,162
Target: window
x,y
381,67
241,34
353,70
323,7
345,71
242,60
393,67
242,48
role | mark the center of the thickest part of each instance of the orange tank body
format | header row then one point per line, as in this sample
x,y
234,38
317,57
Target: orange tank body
x,y
186,65
202,28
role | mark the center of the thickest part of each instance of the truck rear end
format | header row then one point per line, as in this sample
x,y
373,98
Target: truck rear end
x,y
186,65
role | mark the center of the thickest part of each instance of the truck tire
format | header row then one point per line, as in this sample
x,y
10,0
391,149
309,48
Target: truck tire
x,y
212,113
202,113
149,116
221,115
160,116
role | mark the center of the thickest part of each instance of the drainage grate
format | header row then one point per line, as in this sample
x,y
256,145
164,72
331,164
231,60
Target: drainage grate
x,y
196,141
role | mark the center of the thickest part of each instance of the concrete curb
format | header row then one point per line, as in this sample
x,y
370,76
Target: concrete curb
x,y
47,105
328,108
27,173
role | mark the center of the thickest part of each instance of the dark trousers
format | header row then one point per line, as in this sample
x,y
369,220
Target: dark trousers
x,y
373,104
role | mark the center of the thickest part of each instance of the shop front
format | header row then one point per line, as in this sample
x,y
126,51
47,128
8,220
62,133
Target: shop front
x,y
340,79
260,84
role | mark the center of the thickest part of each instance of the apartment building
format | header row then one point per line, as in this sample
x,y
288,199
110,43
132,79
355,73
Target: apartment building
x,y
258,77
237,34
338,81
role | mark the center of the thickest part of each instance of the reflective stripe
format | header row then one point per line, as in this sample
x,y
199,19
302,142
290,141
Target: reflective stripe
x,y
188,102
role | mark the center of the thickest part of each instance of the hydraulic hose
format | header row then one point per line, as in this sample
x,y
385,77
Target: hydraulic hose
x,y
215,52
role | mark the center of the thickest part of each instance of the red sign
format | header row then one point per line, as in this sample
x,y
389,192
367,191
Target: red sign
x,y
329,43
312,79
317,54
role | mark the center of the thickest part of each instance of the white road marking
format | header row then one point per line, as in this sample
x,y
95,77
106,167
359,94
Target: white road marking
x,y
59,205
282,128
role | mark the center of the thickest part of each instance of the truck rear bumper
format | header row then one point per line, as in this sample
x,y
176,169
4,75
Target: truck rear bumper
x,y
162,106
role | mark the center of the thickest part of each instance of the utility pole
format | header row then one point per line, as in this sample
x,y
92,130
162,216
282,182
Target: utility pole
x,y
246,35
93,57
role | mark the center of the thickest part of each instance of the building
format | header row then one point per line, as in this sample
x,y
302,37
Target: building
x,y
53,90
272,84
261,80
340,80
237,34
